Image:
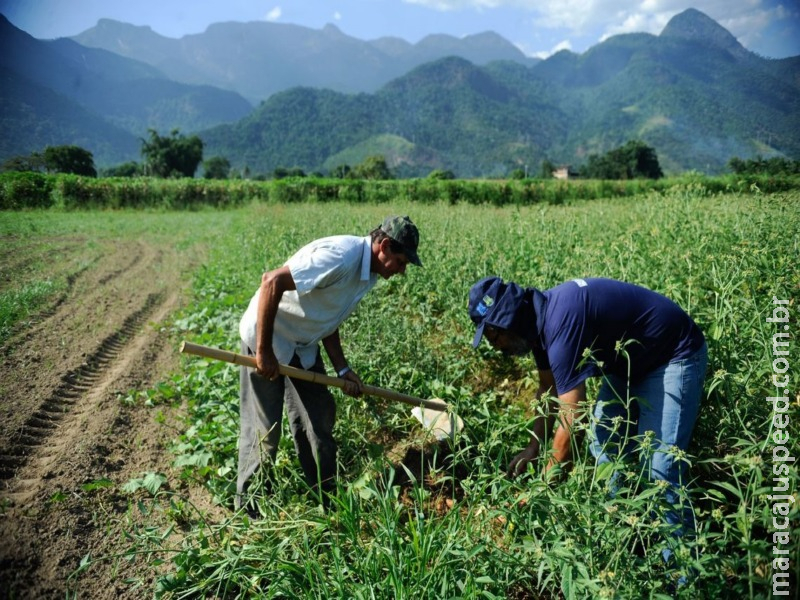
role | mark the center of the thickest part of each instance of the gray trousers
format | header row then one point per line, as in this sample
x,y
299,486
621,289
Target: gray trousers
x,y
311,410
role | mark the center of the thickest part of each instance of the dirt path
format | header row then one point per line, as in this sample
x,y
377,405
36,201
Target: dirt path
x,y
63,426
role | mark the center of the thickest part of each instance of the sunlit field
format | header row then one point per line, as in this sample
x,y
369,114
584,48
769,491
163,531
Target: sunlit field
x,y
416,520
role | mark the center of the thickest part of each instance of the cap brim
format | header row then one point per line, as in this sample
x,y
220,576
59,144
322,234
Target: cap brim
x,y
413,258
478,334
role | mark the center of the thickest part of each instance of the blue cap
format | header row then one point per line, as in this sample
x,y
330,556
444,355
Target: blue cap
x,y
483,297
503,305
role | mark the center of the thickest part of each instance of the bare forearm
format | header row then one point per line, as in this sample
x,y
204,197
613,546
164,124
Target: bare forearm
x,y
273,285
333,348
562,447
267,309
570,405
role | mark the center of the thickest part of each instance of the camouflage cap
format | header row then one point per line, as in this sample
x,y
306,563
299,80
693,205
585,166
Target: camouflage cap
x,y
405,233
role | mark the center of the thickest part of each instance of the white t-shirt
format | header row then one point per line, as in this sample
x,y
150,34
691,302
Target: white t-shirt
x,y
331,275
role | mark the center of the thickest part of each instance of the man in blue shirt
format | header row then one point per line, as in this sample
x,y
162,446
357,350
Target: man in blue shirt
x,y
650,354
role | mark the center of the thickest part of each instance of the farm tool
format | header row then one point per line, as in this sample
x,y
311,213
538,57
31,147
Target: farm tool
x,y
435,415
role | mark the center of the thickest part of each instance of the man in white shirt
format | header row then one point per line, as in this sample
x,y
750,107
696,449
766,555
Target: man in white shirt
x,y
298,306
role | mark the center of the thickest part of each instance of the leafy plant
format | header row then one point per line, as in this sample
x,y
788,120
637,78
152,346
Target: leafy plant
x,y
418,521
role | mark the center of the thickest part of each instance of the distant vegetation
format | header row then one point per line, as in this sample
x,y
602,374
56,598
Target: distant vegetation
x,y
631,161
31,181
762,166
175,155
55,159
20,190
64,177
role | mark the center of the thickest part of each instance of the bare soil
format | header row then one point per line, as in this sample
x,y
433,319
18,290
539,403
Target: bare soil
x,y
63,426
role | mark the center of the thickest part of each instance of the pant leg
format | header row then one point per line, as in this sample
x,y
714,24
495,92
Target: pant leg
x,y
311,409
260,412
669,405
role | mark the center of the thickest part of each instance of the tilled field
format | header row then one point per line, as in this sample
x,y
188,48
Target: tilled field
x,y
63,427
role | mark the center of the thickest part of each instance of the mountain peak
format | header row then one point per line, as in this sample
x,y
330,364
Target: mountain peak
x,y
696,26
332,31
106,24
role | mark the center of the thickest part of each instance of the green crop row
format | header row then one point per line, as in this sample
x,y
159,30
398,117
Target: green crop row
x,y
394,533
71,192
415,524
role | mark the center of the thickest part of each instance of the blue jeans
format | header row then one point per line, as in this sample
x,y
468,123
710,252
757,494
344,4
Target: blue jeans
x,y
666,402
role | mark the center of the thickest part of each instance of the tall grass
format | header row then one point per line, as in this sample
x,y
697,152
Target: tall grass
x,y
415,520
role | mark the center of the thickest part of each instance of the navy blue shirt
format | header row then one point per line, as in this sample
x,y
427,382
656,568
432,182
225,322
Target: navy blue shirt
x,y
600,313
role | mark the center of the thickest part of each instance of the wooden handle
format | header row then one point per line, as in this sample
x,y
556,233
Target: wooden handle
x,y
303,375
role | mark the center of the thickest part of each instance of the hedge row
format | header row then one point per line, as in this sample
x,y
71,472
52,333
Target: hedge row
x,y
71,192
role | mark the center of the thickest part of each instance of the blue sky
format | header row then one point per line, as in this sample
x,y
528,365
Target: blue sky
x,y
538,27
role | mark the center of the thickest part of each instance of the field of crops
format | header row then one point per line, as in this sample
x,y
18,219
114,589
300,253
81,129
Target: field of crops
x,y
418,521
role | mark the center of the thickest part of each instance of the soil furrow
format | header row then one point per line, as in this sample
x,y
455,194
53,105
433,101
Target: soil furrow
x,y
53,409
79,328
63,427
113,275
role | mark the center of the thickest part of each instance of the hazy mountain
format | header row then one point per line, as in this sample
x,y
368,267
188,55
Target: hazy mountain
x,y
122,92
258,59
33,117
693,93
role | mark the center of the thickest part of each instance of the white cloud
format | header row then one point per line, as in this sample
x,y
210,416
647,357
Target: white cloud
x,y
587,22
604,18
565,45
748,28
452,5
337,16
274,14
638,23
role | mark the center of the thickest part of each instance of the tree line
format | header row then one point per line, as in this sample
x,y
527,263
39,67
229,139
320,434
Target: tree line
x,y
775,166
176,155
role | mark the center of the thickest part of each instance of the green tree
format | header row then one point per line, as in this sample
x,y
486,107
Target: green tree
x,y
128,169
33,163
283,172
171,156
633,160
764,166
341,172
373,167
69,159
441,174
546,172
737,165
217,167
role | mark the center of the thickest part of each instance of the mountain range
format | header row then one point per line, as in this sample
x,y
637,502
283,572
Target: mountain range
x,y
258,59
266,95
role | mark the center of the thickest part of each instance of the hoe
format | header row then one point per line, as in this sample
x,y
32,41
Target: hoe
x,y
435,415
